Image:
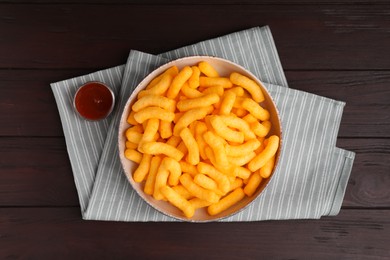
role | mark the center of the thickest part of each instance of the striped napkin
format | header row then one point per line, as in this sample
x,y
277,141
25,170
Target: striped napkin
x,y
312,175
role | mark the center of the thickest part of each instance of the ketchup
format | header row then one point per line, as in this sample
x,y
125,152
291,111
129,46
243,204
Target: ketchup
x,y
94,101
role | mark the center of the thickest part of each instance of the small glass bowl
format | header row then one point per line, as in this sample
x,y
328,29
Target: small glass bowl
x,y
94,101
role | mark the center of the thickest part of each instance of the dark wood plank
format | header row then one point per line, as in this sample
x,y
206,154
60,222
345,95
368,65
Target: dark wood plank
x,y
36,171
46,233
25,96
350,37
27,102
369,182
366,93
197,2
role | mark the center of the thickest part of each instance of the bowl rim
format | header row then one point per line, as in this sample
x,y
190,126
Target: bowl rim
x,y
150,76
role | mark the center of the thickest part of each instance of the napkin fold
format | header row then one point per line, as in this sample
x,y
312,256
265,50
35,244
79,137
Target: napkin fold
x,y
309,182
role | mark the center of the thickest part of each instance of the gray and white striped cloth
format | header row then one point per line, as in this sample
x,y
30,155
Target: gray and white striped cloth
x,y
313,173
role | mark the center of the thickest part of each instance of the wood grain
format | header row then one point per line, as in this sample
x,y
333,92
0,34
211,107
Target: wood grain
x,y
336,49
353,234
197,2
366,94
25,96
27,102
326,37
369,182
36,172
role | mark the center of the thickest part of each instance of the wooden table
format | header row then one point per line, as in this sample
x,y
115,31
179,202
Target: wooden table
x,y
340,50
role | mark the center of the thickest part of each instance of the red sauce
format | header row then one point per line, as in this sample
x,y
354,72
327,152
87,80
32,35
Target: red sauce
x,y
94,101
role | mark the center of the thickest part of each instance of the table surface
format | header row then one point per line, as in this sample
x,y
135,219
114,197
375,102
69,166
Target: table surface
x,y
340,50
